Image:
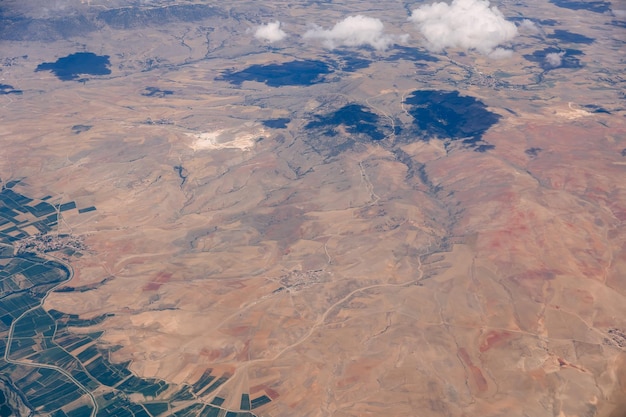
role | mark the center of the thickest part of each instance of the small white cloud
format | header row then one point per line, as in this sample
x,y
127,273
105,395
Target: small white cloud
x,y
554,59
270,32
356,31
500,53
528,26
465,24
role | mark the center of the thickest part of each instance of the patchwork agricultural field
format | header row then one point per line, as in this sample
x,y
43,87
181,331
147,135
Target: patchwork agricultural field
x,y
55,364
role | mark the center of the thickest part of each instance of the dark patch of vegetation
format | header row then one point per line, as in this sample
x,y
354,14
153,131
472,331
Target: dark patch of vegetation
x,y
157,408
542,22
8,89
156,92
571,37
548,22
245,402
411,54
533,152
182,174
568,58
619,23
596,109
77,129
350,62
354,118
596,6
277,75
71,67
218,401
279,123
449,116
258,402
5,409
484,147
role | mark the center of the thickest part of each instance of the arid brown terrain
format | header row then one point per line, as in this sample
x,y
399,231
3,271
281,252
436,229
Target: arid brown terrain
x,y
332,271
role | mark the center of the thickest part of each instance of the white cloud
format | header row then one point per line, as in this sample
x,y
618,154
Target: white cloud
x,y
554,59
528,26
355,31
465,24
270,32
500,53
